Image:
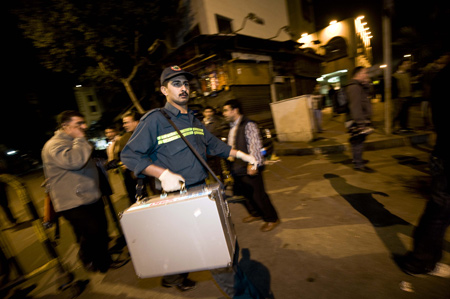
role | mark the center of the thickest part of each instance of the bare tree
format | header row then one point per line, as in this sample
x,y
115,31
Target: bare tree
x,y
103,41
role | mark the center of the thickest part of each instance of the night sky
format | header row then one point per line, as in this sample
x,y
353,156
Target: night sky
x,y
428,18
35,94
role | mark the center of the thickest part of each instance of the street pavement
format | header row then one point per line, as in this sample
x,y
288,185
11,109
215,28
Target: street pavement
x,y
339,232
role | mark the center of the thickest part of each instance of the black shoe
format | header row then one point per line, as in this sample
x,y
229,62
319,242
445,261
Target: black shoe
x,y
90,267
119,263
186,285
364,169
116,264
22,293
410,268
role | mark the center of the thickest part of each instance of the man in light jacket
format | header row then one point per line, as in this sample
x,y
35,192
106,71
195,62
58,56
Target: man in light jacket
x,y
73,183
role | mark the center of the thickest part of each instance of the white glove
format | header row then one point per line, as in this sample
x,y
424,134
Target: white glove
x,y
247,158
170,181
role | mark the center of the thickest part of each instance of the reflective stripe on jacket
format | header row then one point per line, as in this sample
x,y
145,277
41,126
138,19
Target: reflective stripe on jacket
x,y
156,142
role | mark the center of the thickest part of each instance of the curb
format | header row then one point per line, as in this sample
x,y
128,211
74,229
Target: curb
x,y
283,149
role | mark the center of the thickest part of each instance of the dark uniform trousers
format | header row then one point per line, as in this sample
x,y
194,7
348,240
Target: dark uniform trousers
x,y
258,202
91,230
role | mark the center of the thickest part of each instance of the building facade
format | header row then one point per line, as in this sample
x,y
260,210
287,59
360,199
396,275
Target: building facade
x,y
88,104
247,50
263,51
255,71
267,19
343,45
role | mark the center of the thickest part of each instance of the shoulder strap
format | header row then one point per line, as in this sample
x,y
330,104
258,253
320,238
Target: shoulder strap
x,y
192,148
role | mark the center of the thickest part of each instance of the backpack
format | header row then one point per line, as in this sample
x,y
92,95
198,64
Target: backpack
x,y
342,101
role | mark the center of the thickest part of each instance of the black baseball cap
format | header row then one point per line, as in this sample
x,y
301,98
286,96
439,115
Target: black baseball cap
x,y
173,71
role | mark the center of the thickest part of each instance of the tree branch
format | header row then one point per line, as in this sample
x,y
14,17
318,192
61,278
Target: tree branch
x,y
135,69
109,73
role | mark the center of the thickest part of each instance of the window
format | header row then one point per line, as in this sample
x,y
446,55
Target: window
x,y
336,48
223,24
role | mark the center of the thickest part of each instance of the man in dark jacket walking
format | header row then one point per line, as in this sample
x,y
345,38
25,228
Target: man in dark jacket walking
x,y
359,117
244,136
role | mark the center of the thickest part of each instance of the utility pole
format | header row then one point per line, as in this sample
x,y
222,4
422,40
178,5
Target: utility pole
x,y
388,8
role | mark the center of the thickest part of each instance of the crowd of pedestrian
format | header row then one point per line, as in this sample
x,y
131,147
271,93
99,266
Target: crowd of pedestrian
x,y
152,150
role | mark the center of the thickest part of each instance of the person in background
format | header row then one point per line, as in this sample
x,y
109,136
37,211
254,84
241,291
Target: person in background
x,y
359,117
74,187
112,151
214,123
4,203
429,72
333,98
402,96
429,234
244,136
218,127
130,122
317,106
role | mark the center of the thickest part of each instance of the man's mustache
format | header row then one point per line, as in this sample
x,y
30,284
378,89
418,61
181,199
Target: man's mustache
x,y
184,94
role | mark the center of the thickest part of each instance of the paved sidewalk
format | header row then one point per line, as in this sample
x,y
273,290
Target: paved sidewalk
x,y
334,139
340,228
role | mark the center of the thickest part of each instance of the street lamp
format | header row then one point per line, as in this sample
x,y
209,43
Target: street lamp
x,y
252,17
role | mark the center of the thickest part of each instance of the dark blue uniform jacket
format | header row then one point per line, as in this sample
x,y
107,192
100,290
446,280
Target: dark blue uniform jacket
x,y
155,141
